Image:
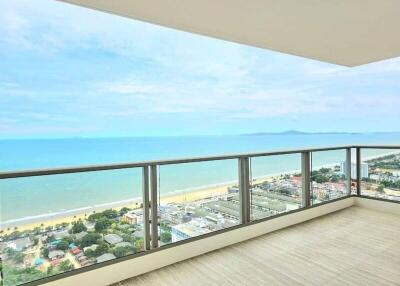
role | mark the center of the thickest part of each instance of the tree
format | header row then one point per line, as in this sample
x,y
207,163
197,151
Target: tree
x,y
45,252
166,237
89,253
139,243
50,270
18,276
66,265
380,189
63,245
123,250
78,227
16,256
102,224
101,249
110,214
124,210
89,239
94,217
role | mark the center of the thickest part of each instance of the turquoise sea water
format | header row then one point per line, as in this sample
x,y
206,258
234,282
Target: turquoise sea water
x,y
51,195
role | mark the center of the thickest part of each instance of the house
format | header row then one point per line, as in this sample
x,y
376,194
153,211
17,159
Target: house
x,y
80,235
58,235
56,254
133,217
76,250
55,262
113,239
20,244
105,257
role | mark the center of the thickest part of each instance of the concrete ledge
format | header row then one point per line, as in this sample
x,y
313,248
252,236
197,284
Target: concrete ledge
x,y
120,271
377,205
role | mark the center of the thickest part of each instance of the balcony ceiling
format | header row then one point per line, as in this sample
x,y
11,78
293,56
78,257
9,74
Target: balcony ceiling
x,y
344,32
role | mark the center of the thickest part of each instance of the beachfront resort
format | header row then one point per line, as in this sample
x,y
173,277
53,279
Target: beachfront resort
x,y
45,250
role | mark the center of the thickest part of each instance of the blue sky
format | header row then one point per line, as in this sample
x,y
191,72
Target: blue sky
x,y
67,71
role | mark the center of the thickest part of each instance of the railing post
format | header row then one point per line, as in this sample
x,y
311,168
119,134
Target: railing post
x,y
244,189
306,178
348,170
154,206
146,208
358,169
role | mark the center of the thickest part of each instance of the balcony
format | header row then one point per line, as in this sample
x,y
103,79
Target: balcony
x,y
192,206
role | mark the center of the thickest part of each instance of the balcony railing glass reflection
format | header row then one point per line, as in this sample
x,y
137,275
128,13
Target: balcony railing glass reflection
x,y
380,173
275,185
39,238
197,198
329,178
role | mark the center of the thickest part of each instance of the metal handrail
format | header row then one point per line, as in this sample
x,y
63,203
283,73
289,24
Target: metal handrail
x,y
105,167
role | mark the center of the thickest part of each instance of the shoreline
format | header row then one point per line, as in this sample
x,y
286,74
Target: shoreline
x,y
69,216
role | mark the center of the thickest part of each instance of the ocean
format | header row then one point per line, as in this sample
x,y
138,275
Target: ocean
x,y
26,199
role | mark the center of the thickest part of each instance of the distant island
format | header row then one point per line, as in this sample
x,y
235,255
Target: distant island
x,y
297,132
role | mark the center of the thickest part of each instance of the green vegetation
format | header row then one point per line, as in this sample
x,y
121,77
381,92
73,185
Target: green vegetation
x,y
65,266
390,184
124,210
123,250
16,276
166,237
14,255
101,249
89,239
325,175
380,189
102,224
63,245
78,227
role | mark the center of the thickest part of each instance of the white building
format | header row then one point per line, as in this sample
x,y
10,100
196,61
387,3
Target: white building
x,y
364,169
189,229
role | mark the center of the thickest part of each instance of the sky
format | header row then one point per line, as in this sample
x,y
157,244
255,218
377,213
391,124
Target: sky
x,y
67,71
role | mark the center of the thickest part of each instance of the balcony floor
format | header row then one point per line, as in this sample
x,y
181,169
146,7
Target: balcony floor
x,y
355,246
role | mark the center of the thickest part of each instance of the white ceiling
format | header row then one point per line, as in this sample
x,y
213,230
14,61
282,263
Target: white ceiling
x,y
345,32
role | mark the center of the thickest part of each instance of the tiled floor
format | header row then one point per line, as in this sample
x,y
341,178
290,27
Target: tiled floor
x,y
355,246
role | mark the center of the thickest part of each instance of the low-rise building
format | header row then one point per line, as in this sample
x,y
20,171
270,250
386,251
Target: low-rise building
x,y
80,234
190,229
56,254
58,235
20,244
113,239
105,257
133,217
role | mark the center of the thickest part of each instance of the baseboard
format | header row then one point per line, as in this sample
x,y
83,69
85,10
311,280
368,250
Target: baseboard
x,y
378,205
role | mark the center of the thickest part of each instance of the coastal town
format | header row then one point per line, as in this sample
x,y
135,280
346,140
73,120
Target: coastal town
x,y
45,250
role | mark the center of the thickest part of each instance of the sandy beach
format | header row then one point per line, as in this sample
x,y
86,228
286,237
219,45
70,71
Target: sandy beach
x,y
183,196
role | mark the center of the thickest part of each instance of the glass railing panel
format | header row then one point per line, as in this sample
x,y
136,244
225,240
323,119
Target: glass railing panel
x,y
197,198
275,185
57,223
328,176
380,173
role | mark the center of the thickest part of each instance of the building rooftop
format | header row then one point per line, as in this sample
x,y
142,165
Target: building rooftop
x,y
324,251
113,238
105,257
